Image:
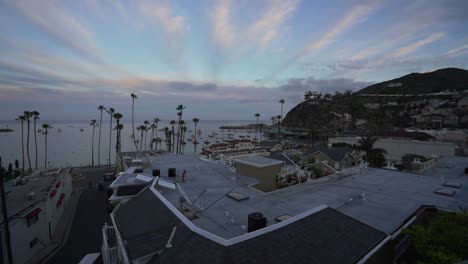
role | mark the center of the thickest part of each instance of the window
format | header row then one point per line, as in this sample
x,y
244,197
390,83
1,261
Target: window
x,y
33,242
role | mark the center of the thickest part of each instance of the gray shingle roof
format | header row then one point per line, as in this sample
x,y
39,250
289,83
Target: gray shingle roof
x,y
326,236
280,156
334,153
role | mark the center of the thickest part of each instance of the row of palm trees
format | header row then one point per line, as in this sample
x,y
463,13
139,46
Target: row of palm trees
x,y
118,128
175,139
26,117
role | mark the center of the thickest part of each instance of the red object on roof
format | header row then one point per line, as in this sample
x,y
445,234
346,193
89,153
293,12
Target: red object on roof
x,y
59,202
34,212
53,193
62,195
58,184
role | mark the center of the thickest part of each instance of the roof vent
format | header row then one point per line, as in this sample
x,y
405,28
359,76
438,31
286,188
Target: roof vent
x,y
256,221
237,196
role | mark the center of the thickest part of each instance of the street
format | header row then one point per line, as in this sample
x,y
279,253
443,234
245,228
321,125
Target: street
x,y
91,213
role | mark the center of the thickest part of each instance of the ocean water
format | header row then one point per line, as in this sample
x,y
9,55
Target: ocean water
x,y
69,146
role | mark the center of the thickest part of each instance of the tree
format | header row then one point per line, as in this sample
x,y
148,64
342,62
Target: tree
x,y
273,120
16,164
443,240
375,156
100,108
172,123
93,124
118,144
281,116
195,122
146,122
180,110
278,123
35,115
22,118
142,129
156,123
168,138
257,115
110,111
28,115
134,96
46,128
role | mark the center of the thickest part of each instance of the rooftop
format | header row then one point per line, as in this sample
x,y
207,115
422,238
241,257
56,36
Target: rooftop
x,y
22,198
381,198
335,153
258,161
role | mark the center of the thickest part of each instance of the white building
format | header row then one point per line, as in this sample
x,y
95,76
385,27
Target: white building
x,y
35,206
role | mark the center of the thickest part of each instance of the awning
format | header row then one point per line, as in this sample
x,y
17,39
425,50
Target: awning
x,y
53,193
34,213
58,184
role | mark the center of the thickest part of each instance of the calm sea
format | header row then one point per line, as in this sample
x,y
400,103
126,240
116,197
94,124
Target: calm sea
x,y
69,142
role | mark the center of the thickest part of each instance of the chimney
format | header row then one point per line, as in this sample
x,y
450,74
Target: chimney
x,y
256,221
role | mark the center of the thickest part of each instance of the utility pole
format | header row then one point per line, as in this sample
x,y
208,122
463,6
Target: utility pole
x,y
5,216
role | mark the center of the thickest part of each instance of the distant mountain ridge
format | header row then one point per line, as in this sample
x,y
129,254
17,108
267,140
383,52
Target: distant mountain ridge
x,y
422,83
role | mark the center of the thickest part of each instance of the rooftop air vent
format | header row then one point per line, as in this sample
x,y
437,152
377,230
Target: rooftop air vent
x,y
256,221
237,196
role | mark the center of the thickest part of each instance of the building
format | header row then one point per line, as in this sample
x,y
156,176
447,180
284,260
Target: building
x,y
35,205
128,185
396,148
338,158
205,214
263,169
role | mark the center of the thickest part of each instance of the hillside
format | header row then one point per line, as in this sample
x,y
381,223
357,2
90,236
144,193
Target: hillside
x,y
422,83
348,112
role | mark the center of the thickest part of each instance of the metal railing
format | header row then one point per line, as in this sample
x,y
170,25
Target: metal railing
x,y
109,245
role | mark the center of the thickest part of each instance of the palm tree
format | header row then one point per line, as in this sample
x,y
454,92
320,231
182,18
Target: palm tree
x,y
195,122
118,128
183,129
281,117
28,115
257,115
110,111
172,123
168,138
158,140
152,127
21,118
100,108
46,128
142,129
35,115
273,120
93,124
375,156
180,108
155,123
134,96
146,122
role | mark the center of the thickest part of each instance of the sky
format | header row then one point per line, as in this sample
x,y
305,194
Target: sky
x,y
223,60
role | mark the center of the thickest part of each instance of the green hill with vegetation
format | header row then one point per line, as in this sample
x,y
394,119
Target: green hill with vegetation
x,y
422,83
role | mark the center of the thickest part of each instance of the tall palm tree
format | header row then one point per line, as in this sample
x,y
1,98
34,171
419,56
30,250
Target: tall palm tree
x,y
134,96
375,156
180,110
273,120
146,122
172,123
195,122
158,140
168,138
142,129
110,111
257,115
118,145
28,115
35,115
156,122
183,129
93,124
281,117
152,127
101,108
45,128
22,118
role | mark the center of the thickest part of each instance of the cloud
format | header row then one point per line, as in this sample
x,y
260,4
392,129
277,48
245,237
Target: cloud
x,y
459,51
162,15
60,25
418,44
223,31
357,14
